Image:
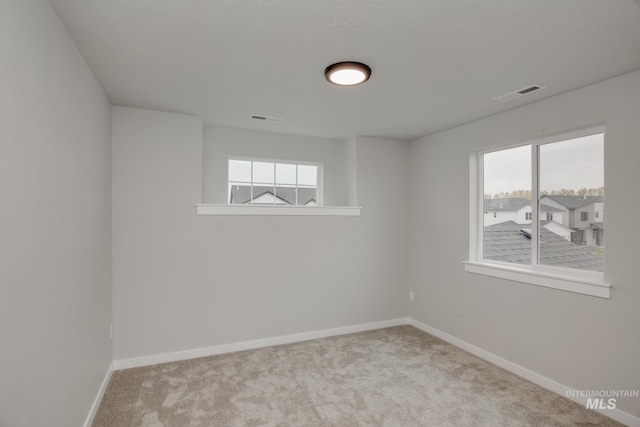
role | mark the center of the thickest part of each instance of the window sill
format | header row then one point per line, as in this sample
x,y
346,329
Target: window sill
x,y
555,281
205,209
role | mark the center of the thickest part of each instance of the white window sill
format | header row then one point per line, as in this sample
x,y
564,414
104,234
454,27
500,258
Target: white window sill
x,y
204,209
585,286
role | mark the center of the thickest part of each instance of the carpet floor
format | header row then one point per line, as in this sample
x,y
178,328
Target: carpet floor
x,y
396,376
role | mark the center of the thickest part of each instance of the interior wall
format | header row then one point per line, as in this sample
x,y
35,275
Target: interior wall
x,y
220,143
55,222
351,168
183,281
584,342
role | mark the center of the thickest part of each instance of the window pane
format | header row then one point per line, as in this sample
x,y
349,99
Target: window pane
x,y
571,186
307,196
263,172
506,233
239,193
285,174
239,170
286,195
264,195
307,175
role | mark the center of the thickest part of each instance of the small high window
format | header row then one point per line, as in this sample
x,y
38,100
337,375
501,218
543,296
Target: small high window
x,y
274,182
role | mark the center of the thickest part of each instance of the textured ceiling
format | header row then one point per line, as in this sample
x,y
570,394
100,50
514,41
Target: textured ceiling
x,y
436,63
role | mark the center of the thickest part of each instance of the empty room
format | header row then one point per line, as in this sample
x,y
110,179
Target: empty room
x,y
319,213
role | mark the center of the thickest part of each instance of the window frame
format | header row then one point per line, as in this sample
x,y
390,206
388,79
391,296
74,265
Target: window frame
x,y
563,278
318,187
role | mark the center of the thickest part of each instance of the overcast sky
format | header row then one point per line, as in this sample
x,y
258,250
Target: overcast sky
x,y
572,164
270,173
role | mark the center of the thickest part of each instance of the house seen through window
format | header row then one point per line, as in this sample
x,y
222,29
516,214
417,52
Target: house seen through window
x,y
543,203
267,182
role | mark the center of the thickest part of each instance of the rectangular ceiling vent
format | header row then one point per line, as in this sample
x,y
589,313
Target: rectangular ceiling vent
x,y
265,118
518,93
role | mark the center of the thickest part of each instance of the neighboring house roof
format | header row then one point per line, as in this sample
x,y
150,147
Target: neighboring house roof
x,y
573,202
241,194
547,208
505,242
555,224
510,204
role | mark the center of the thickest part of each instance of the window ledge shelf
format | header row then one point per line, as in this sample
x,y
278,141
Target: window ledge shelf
x,y
206,209
576,284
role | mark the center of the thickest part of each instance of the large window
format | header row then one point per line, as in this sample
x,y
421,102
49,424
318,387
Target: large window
x,y
547,198
270,182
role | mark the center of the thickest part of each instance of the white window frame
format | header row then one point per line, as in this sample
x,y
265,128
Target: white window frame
x,y
563,278
278,210
319,177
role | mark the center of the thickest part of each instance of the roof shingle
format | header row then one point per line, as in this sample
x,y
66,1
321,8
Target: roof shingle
x,y
241,194
507,204
573,202
505,242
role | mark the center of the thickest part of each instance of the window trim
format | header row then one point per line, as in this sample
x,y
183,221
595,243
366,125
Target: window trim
x,y
523,274
277,210
562,278
319,177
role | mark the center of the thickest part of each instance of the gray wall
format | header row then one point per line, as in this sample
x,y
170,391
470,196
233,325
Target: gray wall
x,y
580,341
55,222
183,281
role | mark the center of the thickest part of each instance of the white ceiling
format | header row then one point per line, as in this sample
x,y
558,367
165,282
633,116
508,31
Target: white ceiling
x,y
436,63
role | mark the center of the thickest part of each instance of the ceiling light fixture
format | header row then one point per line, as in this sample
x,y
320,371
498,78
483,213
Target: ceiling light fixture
x,y
347,73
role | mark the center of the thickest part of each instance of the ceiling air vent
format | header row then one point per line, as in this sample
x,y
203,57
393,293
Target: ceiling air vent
x,y
265,118
518,93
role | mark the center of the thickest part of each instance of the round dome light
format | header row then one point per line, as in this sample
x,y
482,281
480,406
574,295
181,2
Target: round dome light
x,y
347,73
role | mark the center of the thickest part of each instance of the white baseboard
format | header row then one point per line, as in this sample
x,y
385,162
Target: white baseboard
x,y
249,345
98,399
549,384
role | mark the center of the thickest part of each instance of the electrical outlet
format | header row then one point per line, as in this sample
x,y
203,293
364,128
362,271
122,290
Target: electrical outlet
x,y
111,331
411,296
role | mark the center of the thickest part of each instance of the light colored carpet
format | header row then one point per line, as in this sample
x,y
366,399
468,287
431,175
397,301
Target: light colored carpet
x,y
397,376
